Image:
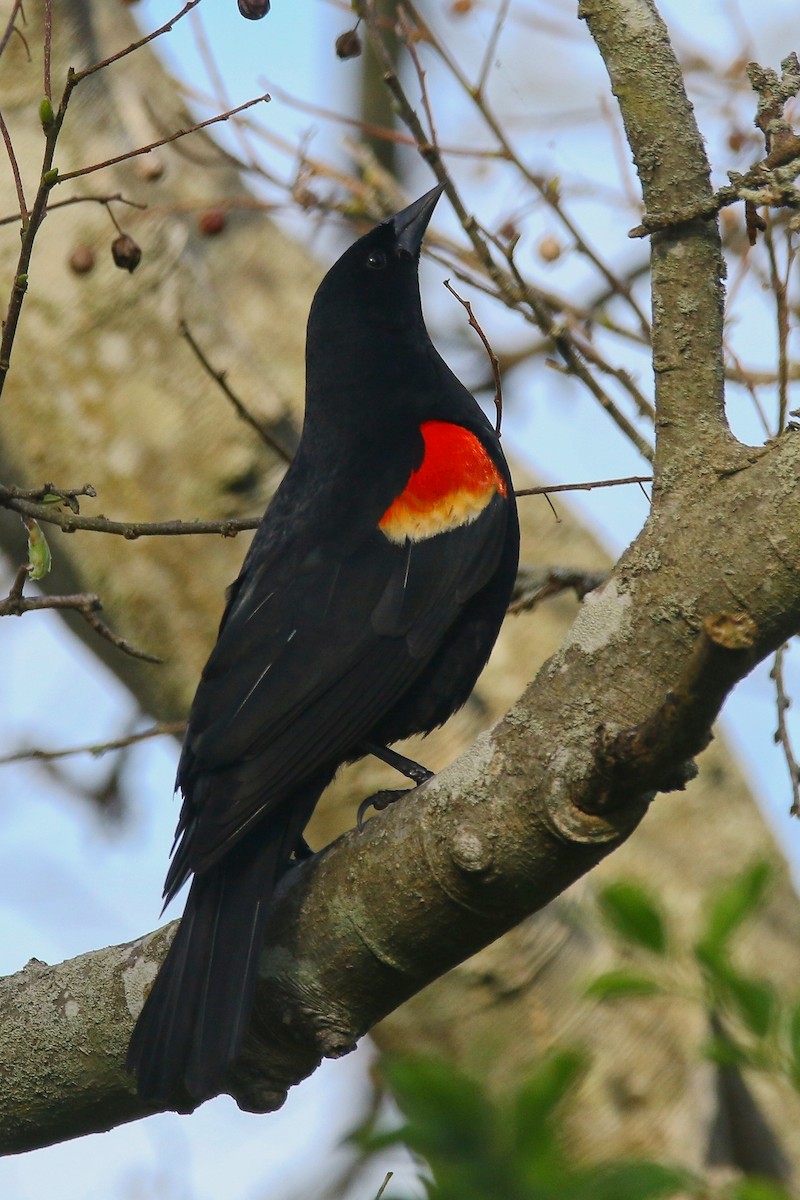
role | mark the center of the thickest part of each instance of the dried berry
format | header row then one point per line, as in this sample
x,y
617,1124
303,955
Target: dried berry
x,y
149,168
212,222
348,45
254,10
81,260
126,253
550,248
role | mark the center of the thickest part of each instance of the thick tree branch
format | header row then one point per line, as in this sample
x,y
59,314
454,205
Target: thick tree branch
x,y
491,839
687,264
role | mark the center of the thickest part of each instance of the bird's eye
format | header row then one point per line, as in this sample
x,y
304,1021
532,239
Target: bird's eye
x,y
376,260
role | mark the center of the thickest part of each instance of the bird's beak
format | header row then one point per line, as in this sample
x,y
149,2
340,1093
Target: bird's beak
x,y
410,223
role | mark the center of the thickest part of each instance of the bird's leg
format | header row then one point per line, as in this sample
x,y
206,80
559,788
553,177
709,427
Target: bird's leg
x,y
406,766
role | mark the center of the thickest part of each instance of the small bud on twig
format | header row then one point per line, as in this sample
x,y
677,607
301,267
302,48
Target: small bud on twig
x,y
46,114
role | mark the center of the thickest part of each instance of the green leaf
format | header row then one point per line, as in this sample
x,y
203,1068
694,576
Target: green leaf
x,y
616,985
39,560
533,1109
754,1001
734,903
754,1188
634,915
727,1052
638,1181
445,1109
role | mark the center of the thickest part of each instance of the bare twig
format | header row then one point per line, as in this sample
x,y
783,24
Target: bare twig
x,y
48,43
547,489
220,378
384,1185
408,34
498,386
69,522
77,76
491,47
782,735
543,186
779,288
115,197
12,158
370,130
49,493
173,137
97,750
16,8
86,604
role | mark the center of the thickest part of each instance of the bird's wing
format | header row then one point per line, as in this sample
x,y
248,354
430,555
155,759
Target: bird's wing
x,y
313,651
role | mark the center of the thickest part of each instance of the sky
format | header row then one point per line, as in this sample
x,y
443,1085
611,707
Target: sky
x,y
71,882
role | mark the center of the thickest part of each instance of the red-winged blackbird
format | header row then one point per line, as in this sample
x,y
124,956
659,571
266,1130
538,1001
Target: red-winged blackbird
x,y
367,605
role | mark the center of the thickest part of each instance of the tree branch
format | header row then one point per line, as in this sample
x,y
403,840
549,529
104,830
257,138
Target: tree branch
x,y
491,839
687,264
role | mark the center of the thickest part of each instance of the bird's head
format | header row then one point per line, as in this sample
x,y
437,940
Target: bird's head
x,y
374,285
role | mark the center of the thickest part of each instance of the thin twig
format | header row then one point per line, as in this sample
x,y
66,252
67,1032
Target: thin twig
x,y
220,378
547,489
12,158
779,291
173,137
10,25
77,76
491,47
104,200
49,492
384,1185
543,186
167,728
407,33
498,386
782,735
48,43
86,604
69,522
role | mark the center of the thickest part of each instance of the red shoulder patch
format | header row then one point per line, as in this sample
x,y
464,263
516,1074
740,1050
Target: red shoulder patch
x,y
451,487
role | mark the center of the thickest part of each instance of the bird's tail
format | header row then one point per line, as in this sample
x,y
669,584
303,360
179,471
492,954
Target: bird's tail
x,y
194,1019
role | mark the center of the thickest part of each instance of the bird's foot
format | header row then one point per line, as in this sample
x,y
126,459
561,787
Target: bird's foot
x,y
379,802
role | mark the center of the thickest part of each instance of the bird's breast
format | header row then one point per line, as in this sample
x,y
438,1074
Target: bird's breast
x,y
454,483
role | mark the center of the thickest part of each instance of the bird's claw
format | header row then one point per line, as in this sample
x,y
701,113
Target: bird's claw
x,y
379,802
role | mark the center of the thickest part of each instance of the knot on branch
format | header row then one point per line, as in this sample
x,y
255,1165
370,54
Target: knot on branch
x,y
657,755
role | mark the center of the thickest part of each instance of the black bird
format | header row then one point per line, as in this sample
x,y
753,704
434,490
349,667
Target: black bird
x,y
367,605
